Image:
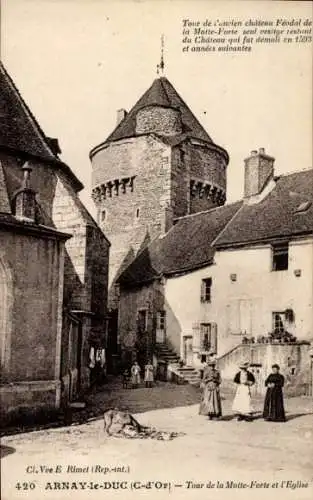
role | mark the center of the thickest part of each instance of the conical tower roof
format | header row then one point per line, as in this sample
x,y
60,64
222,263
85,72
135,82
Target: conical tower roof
x,y
161,93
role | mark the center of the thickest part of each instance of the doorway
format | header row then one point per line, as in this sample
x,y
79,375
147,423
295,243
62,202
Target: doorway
x,y
79,356
142,337
187,350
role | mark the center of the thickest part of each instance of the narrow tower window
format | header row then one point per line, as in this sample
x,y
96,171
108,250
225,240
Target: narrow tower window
x,y
137,213
103,215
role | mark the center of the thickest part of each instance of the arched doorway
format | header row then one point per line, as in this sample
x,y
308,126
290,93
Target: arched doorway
x,y
6,297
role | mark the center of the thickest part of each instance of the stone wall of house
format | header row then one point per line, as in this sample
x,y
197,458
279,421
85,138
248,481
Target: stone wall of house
x,y
149,298
86,258
85,276
31,342
68,217
294,361
243,307
246,305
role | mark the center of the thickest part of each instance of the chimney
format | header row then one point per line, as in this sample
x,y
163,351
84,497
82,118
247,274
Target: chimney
x,y
54,145
25,198
121,114
259,169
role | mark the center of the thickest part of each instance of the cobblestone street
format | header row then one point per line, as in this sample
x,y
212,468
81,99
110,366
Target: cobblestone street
x,y
208,451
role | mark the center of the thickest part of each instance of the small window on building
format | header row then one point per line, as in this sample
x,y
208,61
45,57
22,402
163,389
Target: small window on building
x,y
137,213
206,289
161,316
142,322
280,257
103,215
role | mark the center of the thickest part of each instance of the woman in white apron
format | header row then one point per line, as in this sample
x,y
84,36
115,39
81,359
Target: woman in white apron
x,y
135,373
242,403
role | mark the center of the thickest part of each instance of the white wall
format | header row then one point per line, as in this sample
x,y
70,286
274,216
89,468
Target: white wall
x,y
184,309
248,303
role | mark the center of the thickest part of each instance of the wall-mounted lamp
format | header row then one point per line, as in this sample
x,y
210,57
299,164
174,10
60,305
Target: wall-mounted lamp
x,y
297,273
233,277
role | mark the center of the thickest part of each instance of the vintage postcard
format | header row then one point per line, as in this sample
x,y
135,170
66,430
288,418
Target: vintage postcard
x,y
156,249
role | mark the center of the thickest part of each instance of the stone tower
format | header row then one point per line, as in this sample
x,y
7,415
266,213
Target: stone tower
x,y
158,164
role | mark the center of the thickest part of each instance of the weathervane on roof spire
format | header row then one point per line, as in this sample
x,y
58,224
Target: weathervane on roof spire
x,y
160,67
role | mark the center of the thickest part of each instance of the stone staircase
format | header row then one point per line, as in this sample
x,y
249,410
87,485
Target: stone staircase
x,y
166,353
189,374
184,374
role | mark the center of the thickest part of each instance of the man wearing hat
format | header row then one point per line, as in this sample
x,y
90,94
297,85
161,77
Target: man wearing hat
x,y
242,402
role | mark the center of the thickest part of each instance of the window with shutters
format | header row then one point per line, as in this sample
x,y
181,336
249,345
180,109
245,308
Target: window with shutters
x,y
160,327
206,290
279,322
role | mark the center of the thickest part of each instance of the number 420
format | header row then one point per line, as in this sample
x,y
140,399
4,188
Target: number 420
x,y
25,486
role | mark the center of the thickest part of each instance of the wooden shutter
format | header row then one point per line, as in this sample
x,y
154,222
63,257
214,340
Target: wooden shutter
x,y
203,289
213,347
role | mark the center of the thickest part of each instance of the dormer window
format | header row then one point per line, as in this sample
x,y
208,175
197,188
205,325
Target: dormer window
x,y
280,257
303,207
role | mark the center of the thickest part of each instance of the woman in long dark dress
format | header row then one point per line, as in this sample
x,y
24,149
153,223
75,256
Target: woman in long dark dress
x,y
211,400
274,410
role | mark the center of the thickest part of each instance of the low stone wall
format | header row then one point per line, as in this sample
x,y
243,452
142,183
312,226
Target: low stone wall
x,y
294,361
23,401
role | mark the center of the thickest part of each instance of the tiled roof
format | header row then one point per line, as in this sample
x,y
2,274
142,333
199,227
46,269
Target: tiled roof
x,y
20,131
161,93
191,243
278,215
185,247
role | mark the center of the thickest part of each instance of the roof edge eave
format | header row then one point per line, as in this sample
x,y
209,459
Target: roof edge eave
x,y
56,162
269,240
33,229
138,283
187,270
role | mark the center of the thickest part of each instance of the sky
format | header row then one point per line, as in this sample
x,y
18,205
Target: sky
x,y
76,62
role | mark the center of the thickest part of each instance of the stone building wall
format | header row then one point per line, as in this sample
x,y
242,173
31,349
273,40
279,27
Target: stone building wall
x,y
294,361
85,279
180,181
139,212
84,275
207,170
31,376
149,298
166,121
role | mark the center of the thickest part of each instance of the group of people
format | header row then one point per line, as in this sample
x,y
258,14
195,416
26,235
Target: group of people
x,y
211,406
134,375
